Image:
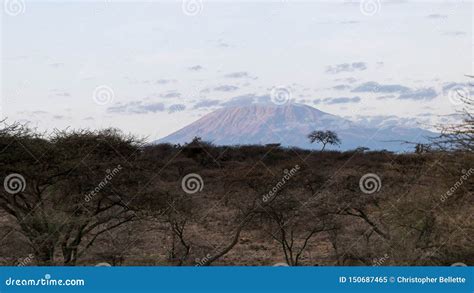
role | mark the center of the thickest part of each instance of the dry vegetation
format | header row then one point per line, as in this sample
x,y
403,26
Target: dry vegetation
x,y
142,216
86,197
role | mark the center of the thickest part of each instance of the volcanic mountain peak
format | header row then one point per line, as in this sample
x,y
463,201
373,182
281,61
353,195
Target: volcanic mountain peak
x,y
289,125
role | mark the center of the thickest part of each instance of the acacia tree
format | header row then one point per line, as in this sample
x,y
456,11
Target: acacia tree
x,y
182,212
291,216
182,247
324,138
69,189
459,136
294,229
177,215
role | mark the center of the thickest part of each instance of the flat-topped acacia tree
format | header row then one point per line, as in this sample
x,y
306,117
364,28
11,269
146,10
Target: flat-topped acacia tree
x,y
324,138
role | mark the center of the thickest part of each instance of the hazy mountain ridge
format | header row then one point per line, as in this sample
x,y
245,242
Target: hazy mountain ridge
x,y
289,125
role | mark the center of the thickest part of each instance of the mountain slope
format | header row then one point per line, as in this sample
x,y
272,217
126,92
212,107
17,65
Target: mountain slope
x,y
290,125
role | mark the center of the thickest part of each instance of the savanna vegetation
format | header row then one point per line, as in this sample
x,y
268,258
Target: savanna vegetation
x,y
87,197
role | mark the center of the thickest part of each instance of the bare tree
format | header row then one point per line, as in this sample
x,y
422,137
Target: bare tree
x,y
178,215
182,211
71,188
243,221
293,219
459,136
295,234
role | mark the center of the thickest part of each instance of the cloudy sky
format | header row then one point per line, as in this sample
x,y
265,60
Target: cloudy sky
x,y
153,67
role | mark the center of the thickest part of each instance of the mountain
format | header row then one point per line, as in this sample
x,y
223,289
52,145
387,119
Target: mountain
x,y
289,125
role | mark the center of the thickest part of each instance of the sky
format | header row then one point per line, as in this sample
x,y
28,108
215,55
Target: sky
x,y
151,68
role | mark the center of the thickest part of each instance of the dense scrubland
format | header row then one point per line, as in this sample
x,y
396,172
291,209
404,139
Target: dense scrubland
x,y
88,197
82,197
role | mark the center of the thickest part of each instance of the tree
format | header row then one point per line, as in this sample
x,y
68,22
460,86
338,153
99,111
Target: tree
x,y
324,137
459,136
294,230
68,189
183,213
178,215
292,219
